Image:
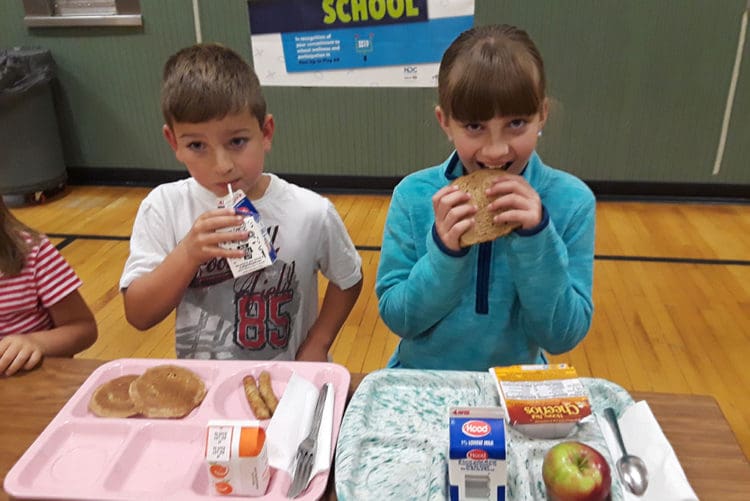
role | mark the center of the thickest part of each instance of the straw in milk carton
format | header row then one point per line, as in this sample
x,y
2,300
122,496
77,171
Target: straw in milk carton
x,y
258,250
476,465
236,458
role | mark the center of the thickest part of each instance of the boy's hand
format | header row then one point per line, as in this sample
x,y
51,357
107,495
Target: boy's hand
x,y
453,215
18,351
519,201
202,242
311,352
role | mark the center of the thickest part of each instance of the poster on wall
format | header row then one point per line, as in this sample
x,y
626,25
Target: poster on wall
x,y
354,43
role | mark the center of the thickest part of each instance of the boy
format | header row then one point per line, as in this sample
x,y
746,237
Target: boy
x,y
217,125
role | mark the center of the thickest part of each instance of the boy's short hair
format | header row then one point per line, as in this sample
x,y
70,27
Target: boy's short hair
x,y
207,82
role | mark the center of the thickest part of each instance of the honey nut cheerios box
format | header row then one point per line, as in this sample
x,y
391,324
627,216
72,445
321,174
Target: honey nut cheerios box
x,y
542,401
236,458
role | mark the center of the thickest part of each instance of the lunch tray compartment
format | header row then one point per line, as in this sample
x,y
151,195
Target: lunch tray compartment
x,y
393,442
82,456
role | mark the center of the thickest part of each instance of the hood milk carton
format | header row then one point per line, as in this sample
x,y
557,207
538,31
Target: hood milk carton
x,y
236,458
476,465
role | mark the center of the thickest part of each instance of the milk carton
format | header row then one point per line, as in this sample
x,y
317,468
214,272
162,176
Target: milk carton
x,y
258,249
476,465
236,458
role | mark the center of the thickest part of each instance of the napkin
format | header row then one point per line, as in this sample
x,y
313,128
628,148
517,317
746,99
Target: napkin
x,y
291,423
643,437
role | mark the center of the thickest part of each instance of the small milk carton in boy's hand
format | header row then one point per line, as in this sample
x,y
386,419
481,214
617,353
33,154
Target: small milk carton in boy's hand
x,y
236,458
258,249
476,465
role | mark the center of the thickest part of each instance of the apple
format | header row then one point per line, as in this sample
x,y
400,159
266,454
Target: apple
x,y
574,471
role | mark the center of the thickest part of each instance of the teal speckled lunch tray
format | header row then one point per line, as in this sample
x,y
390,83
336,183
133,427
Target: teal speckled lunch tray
x,y
393,441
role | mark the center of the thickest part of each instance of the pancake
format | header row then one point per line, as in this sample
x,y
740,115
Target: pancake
x,y
484,229
112,399
167,391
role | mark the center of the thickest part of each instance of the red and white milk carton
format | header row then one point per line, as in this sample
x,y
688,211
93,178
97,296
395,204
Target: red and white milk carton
x,y
236,458
476,464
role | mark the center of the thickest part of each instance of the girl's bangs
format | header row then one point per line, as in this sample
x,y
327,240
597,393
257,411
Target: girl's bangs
x,y
484,90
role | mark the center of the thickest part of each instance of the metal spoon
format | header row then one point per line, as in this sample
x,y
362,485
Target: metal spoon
x,y
632,469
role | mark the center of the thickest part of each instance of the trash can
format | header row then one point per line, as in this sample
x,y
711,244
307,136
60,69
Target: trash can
x,y
31,156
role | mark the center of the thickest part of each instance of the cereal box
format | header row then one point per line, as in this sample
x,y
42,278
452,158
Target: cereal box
x,y
542,401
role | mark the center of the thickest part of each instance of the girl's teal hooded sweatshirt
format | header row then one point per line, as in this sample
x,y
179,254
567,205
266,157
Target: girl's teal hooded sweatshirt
x,y
498,303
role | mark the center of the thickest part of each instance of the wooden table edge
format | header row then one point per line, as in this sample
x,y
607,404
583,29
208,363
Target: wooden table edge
x,y
663,406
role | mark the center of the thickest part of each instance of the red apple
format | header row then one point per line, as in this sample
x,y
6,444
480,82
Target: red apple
x,y
573,471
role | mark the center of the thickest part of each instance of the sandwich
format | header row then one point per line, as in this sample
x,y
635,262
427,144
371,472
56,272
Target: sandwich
x,y
484,228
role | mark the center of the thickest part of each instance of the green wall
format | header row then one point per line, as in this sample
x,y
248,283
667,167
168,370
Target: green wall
x,y
638,87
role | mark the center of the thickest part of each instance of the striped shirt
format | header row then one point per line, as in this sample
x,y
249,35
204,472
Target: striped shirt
x,y
25,298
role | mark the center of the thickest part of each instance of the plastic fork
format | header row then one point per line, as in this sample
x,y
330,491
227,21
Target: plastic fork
x,y
305,456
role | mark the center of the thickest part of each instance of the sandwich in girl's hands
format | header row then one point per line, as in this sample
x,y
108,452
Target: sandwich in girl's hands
x,y
484,228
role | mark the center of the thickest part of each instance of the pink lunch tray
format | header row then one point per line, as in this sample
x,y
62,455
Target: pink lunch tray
x,y
82,456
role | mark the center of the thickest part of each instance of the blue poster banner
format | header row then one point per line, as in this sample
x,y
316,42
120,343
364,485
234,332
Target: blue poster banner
x,y
354,42
283,16
372,46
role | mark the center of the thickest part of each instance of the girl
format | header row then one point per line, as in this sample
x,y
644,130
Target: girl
x,y
505,301
41,310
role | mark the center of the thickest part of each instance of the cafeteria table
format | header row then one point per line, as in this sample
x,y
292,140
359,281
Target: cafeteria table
x,y
694,424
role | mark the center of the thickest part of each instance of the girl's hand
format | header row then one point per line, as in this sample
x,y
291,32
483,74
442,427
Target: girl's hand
x,y
519,202
202,242
453,215
18,351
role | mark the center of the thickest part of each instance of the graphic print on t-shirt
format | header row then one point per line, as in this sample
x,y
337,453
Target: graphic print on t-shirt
x,y
248,318
262,308
216,270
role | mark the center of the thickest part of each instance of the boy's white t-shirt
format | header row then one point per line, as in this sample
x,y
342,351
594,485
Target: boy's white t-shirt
x,y
263,315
